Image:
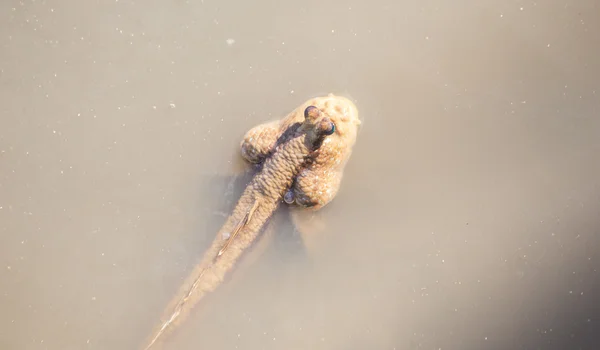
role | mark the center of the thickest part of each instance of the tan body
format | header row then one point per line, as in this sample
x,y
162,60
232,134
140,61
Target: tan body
x,y
295,154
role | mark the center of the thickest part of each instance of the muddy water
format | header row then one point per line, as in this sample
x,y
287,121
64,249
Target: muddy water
x,y
468,215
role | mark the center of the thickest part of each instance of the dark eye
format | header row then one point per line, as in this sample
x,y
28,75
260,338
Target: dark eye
x,y
311,112
331,129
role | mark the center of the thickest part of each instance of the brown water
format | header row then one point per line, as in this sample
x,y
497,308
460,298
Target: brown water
x,y
469,213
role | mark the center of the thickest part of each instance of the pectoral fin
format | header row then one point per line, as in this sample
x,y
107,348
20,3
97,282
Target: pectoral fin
x,y
311,227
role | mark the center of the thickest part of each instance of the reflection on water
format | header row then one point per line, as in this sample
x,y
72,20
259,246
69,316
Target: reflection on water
x,y
468,213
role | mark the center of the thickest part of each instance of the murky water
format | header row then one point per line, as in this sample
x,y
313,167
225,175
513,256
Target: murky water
x,y
468,216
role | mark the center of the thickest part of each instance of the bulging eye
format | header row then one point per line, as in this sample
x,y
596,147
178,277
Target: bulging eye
x,y
311,112
330,130
289,197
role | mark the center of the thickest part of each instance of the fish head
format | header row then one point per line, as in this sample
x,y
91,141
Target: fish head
x,y
336,120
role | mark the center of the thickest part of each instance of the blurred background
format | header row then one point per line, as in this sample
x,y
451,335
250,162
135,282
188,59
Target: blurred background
x,y
468,216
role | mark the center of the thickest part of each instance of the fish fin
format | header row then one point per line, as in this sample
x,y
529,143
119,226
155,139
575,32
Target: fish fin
x,y
217,195
221,193
258,251
311,227
240,225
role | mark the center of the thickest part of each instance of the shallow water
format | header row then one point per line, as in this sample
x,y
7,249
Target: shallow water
x,y
468,214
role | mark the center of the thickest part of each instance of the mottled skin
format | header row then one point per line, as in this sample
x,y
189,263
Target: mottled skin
x,y
302,156
319,181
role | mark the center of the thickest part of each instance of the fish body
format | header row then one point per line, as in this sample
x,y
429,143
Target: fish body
x,y
285,151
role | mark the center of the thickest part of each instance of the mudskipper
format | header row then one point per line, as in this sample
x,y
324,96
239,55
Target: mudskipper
x,y
301,159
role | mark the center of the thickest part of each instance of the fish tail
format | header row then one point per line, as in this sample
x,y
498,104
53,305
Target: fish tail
x,y
224,252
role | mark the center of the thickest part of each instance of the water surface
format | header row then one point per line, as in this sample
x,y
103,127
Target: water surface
x,y
468,214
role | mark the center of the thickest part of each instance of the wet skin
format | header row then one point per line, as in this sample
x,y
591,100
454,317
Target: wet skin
x,y
319,181
301,160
